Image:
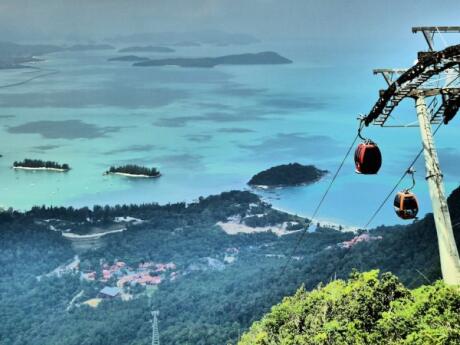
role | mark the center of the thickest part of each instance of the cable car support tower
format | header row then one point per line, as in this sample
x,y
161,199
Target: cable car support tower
x,y
422,82
155,332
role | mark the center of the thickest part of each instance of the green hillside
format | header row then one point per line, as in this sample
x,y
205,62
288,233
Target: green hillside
x,y
365,309
222,282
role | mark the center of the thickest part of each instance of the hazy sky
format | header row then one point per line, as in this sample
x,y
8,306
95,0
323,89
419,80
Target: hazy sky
x,y
265,19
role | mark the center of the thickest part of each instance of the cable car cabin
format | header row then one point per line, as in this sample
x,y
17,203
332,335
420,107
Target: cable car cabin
x,y
368,158
406,205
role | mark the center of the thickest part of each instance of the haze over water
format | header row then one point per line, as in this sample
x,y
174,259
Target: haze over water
x,y
210,130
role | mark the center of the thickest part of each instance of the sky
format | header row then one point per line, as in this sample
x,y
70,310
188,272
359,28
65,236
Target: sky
x,y
350,21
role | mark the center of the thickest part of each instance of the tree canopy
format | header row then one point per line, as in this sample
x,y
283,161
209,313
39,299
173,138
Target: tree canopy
x,y
38,163
134,170
365,309
291,174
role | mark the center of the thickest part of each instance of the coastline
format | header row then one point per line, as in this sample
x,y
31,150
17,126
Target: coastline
x,y
40,168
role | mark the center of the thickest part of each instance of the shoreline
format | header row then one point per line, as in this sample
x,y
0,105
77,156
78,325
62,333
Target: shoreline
x,y
280,186
131,175
234,227
40,168
71,235
322,222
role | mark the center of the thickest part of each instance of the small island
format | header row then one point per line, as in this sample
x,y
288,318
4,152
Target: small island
x,y
147,49
129,58
37,164
263,58
132,170
293,174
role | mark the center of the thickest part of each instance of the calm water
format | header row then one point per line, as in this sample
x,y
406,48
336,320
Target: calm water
x,y
207,130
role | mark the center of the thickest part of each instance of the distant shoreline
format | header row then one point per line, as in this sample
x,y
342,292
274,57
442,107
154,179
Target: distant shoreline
x,y
71,235
40,168
280,186
322,222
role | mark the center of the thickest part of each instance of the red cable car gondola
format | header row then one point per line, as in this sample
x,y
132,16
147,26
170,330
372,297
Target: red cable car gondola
x,y
405,203
368,158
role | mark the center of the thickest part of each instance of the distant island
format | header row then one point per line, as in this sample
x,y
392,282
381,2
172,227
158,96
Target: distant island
x,y
147,49
292,174
37,164
14,55
129,58
263,58
133,171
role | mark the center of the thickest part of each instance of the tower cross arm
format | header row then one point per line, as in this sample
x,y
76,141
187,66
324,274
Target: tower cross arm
x,y
443,29
429,32
389,74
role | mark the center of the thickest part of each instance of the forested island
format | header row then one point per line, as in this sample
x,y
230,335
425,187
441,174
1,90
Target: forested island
x,y
134,170
38,164
292,174
147,49
263,58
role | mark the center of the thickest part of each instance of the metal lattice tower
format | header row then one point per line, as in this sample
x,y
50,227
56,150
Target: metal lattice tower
x,y
155,332
435,75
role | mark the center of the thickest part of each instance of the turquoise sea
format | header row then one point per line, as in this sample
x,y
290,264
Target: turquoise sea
x,y
208,130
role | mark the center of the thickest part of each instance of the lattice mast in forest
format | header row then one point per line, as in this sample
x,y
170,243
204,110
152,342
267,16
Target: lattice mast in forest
x,y
417,83
155,332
